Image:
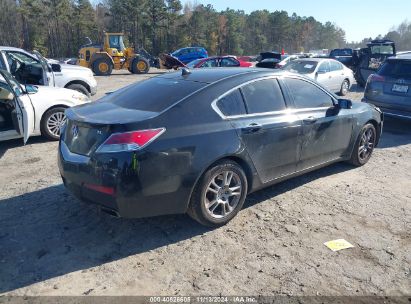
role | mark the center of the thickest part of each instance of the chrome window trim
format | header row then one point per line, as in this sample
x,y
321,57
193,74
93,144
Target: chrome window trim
x,y
285,111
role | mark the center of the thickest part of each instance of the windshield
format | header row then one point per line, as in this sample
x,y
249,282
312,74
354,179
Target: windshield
x,y
382,49
6,77
301,66
193,63
116,42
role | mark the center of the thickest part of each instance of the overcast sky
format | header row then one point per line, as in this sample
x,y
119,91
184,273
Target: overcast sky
x,y
359,18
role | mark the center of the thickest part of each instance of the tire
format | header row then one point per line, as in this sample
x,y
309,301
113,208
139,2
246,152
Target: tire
x,y
52,119
345,88
367,139
228,199
102,67
79,88
140,66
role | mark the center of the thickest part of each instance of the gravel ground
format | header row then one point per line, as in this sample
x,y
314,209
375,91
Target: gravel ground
x,y
52,244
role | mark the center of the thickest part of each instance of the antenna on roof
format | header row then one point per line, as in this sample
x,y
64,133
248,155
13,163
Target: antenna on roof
x,y
185,71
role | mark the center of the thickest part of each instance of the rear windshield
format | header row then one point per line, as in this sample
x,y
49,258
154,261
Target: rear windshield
x,y
153,95
396,69
301,66
341,52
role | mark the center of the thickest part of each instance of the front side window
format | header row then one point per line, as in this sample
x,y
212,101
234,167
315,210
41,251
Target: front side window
x,y
212,63
263,96
335,66
232,104
229,62
307,95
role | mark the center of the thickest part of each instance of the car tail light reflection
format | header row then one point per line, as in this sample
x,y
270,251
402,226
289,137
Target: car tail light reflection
x,y
101,189
129,141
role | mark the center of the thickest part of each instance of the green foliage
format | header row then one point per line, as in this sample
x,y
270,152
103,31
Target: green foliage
x,y
57,27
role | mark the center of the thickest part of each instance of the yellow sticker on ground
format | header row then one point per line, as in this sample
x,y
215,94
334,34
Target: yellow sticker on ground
x,y
339,244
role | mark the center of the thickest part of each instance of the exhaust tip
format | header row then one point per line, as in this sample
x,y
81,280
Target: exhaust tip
x,y
110,212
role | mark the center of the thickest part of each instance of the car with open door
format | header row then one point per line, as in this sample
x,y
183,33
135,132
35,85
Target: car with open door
x,y
33,68
206,139
219,62
331,73
28,110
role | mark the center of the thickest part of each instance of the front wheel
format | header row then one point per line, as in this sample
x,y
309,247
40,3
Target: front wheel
x,y
219,194
345,87
102,67
364,145
52,122
140,66
79,88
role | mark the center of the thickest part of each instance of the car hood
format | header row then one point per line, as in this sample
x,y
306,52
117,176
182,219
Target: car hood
x,y
54,95
73,68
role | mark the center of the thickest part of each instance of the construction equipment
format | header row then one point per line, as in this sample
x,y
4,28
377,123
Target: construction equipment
x,y
113,54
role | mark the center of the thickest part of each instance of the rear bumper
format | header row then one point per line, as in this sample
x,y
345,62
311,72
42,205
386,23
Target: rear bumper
x,y
138,190
389,111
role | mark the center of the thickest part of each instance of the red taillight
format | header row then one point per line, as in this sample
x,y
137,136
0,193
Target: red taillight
x,y
129,141
101,189
376,78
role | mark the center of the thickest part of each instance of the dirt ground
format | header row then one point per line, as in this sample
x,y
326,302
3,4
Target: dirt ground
x,y
52,244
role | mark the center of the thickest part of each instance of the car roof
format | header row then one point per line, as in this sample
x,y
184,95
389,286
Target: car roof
x,y
213,75
314,59
10,48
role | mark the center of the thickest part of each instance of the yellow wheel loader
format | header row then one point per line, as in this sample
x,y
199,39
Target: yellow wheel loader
x,y
102,59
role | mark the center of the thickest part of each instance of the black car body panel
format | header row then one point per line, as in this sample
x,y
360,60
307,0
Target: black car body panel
x,y
160,178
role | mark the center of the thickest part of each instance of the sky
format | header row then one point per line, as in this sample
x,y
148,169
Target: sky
x,y
358,18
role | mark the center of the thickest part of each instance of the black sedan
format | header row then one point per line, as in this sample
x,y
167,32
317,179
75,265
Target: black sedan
x,y
198,142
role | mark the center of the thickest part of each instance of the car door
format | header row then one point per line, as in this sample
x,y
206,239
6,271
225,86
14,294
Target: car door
x,y
269,133
33,71
337,73
327,129
323,75
24,108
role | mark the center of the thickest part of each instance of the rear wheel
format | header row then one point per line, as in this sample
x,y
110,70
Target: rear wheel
x,y
364,146
52,122
219,194
345,87
102,67
140,66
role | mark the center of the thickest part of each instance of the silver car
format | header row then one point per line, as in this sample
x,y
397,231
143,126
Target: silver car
x,y
332,74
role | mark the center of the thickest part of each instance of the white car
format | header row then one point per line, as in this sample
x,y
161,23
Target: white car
x,y
27,110
331,73
34,69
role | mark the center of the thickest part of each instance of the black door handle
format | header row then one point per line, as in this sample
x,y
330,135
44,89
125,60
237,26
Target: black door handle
x,y
310,120
252,128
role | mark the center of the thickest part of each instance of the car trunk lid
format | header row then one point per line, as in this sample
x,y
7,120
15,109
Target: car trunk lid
x,y
89,126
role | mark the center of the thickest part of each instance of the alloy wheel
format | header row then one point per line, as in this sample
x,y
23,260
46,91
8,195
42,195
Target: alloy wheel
x,y
55,122
367,143
223,194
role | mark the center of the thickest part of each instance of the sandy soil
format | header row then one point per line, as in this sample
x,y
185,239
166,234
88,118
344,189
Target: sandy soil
x,y
52,244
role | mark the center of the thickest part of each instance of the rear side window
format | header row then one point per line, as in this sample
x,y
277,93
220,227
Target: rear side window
x,y
154,94
263,96
396,69
307,95
232,104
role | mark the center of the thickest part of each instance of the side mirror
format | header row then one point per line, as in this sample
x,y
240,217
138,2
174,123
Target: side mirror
x,y
344,103
6,94
56,67
31,89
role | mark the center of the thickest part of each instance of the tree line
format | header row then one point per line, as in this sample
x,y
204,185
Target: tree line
x,y
57,28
